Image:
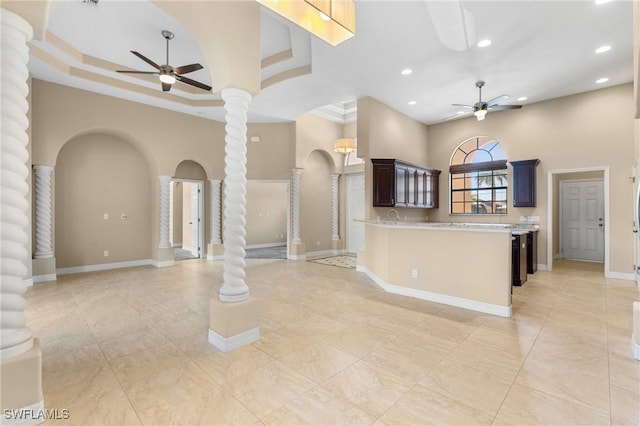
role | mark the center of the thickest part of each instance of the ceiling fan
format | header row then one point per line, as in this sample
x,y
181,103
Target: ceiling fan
x,y
169,75
481,108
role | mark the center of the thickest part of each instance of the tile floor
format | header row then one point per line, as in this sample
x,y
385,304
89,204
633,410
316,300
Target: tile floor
x,y
130,347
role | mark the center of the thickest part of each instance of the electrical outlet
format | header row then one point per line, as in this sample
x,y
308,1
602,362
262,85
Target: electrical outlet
x,y
105,216
414,273
318,243
123,215
106,253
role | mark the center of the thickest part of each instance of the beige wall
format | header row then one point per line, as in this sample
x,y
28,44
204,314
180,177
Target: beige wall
x,y
386,133
97,174
267,212
593,129
164,138
315,203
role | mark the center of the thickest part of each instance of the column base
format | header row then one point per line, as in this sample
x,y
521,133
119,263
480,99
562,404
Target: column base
x,y
337,246
164,257
215,251
44,269
233,325
297,251
21,380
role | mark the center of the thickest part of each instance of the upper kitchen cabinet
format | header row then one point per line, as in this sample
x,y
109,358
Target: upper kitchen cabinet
x,y
524,183
400,184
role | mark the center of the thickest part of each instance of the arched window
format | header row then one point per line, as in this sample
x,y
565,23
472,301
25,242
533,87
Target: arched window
x,y
478,171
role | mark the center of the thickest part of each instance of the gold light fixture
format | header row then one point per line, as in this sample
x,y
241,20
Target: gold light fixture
x,y
334,21
344,145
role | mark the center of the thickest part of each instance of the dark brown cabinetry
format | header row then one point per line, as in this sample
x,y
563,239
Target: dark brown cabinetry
x,y
532,252
524,183
400,184
518,259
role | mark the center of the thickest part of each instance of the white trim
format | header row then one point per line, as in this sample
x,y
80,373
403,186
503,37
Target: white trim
x,y
228,344
105,266
542,267
266,245
620,275
324,252
18,349
176,245
36,409
635,349
43,278
474,305
296,256
215,257
28,281
607,211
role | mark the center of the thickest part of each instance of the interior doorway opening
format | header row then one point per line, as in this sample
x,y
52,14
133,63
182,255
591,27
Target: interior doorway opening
x,y
187,224
576,220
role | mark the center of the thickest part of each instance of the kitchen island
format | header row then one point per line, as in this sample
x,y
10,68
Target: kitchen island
x,y
458,264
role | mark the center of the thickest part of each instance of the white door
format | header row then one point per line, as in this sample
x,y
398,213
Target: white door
x,y
195,219
582,221
355,210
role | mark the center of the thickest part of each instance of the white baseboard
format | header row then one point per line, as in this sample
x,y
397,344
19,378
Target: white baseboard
x,y
542,267
297,256
43,278
266,245
620,275
228,344
105,266
33,414
487,308
215,257
176,245
329,252
28,281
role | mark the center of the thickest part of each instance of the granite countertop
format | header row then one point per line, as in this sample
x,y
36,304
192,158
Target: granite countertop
x,y
516,229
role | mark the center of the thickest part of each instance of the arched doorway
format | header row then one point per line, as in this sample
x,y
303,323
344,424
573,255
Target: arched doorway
x,y
187,224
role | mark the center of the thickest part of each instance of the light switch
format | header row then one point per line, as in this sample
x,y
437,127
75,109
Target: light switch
x,y
123,215
106,216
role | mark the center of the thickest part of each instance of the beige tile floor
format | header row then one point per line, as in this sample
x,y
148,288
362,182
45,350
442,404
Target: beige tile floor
x,y
130,347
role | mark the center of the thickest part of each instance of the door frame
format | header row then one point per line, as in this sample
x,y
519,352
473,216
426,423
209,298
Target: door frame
x,y
550,206
201,214
349,203
560,209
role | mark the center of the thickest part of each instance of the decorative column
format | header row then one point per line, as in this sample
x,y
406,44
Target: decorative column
x,y
215,248
335,231
295,204
165,255
297,248
44,217
165,209
20,354
233,325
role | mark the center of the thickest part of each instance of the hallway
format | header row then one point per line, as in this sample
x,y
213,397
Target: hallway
x,y
130,347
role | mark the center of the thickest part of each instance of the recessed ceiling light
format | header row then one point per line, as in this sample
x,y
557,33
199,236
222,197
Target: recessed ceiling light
x,y
412,102
603,49
460,112
407,71
602,80
484,43
522,98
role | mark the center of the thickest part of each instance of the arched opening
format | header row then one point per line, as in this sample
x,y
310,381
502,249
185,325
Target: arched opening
x,y
103,204
187,225
315,204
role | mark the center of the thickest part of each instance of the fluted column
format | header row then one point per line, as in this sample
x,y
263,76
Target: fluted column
x,y
295,204
335,230
236,105
215,211
43,215
165,207
16,337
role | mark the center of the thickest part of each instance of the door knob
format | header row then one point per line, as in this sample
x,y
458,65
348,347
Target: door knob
x,y
600,225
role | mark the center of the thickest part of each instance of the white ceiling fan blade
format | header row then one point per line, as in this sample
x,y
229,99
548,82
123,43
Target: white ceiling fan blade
x,y
497,100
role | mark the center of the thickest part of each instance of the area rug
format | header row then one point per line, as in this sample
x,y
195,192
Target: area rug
x,y
343,261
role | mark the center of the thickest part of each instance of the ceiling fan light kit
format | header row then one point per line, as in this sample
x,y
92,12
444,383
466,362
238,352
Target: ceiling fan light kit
x,y
481,108
167,74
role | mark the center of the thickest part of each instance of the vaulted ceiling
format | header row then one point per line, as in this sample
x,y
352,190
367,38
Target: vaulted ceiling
x,y
539,50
